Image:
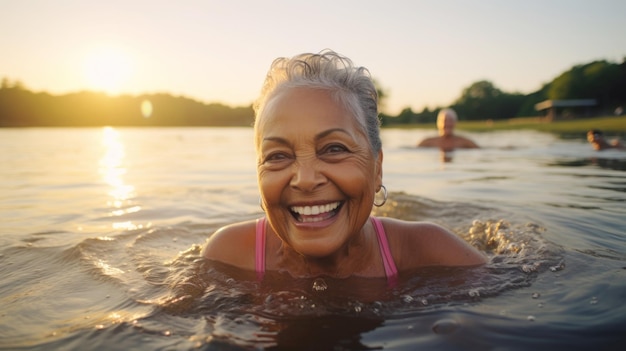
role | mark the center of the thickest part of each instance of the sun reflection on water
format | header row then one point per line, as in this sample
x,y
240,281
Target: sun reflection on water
x,y
113,170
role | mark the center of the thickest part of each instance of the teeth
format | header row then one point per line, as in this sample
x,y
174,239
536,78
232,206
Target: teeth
x,y
314,210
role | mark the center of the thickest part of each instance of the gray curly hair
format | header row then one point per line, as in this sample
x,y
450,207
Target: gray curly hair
x,y
350,86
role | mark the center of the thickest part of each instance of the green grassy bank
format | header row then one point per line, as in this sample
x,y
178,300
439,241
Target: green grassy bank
x,y
615,125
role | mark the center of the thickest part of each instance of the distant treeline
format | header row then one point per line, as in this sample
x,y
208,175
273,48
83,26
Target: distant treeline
x,y
602,81
22,108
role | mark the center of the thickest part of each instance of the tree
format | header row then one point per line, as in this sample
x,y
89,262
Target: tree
x,y
382,94
6,84
599,80
483,100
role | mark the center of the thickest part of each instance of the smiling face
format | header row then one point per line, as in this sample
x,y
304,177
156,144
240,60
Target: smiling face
x,y
316,171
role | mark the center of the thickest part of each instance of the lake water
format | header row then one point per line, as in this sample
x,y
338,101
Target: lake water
x,y
102,229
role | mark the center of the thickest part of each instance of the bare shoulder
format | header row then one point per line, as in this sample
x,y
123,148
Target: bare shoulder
x,y
233,244
429,142
468,143
420,244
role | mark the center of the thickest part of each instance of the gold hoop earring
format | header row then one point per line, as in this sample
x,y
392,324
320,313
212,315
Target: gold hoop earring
x,y
384,189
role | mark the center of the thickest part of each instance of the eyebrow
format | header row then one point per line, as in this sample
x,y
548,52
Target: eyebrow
x,y
317,137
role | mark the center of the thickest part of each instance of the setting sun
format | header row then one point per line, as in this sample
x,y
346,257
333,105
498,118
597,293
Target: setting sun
x,y
107,70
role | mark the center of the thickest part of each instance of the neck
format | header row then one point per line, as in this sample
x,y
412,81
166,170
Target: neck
x,y
354,257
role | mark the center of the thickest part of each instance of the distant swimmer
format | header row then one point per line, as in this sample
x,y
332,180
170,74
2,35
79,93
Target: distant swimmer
x,y
447,141
596,138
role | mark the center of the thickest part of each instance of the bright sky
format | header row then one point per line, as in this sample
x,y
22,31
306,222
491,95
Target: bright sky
x,y
422,52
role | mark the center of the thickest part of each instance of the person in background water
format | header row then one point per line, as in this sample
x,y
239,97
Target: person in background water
x,y
596,138
319,171
447,140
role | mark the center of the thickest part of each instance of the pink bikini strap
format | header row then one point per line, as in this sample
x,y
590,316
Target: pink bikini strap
x,y
390,267
259,260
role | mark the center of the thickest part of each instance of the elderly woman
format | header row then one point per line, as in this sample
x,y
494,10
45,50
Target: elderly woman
x,y
319,168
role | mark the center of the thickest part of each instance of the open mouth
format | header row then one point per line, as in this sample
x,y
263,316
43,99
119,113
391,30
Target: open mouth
x,y
317,213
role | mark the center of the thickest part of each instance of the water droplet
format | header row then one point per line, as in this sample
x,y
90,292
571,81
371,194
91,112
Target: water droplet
x,y
558,267
594,300
358,307
531,318
320,285
445,326
407,298
474,293
536,295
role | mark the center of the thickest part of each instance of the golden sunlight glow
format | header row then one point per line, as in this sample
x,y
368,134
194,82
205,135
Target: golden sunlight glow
x,y
107,70
146,108
112,170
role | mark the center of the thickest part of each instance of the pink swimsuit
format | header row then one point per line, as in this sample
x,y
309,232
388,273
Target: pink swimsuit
x,y
390,267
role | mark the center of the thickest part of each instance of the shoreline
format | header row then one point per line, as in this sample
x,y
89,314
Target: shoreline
x,y
610,124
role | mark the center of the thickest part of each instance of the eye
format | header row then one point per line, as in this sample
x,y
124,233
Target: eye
x,y
276,157
334,149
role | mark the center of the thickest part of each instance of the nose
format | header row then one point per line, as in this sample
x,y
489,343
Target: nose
x,y
307,176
